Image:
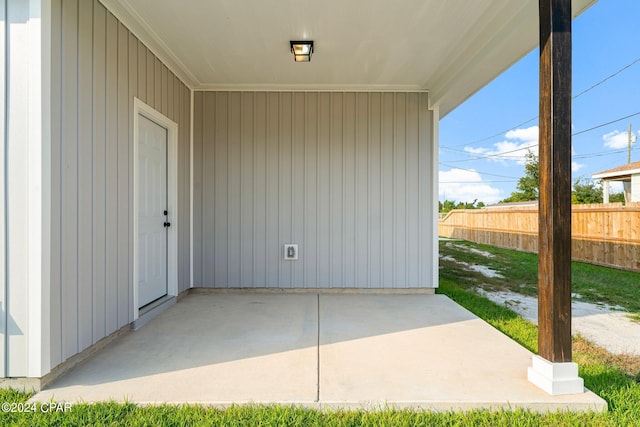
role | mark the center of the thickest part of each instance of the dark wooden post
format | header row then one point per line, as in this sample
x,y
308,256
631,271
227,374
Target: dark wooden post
x,y
554,237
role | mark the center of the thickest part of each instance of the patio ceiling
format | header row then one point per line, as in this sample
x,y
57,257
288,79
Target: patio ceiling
x,y
450,48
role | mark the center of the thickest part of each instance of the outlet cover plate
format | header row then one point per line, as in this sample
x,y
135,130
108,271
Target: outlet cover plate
x,y
290,252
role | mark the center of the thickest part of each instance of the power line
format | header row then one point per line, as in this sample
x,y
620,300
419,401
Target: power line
x,y
595,85
597,154
501,155
607,78
605,124
476,171
602,153
495,135
442,147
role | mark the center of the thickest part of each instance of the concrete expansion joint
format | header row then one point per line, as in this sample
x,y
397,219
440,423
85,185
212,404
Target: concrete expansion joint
x,y
313,291
318,350
364,351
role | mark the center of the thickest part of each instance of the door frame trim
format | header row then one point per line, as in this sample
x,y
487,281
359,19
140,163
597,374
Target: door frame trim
x,y
139,107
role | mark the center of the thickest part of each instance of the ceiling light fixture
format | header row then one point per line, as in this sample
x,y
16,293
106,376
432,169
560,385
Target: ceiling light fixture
x,y
302,50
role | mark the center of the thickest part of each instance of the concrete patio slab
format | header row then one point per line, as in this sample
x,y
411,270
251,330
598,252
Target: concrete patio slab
x,y
428,352
326,350
210,349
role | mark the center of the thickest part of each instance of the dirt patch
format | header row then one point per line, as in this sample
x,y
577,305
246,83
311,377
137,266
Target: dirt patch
x,y
627,363
469,249
487,272
609,327
478,252
599,323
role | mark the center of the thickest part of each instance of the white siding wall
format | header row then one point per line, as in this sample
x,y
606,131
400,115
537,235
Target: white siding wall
x,y
23,188
635,188
98,67
3,148
349,177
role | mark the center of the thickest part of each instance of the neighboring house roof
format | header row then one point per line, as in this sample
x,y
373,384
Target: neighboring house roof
x,y
449,48
624,171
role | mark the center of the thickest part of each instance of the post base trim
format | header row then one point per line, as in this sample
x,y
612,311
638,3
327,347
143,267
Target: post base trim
x,y
555,378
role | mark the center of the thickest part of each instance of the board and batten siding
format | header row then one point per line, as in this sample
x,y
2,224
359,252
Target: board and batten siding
x,y
348,176
98,67
635,187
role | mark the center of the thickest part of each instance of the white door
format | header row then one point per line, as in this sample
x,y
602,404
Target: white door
x,y
152,211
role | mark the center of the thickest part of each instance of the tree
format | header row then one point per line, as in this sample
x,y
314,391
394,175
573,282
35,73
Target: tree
x,y
446,206
586,192
616,198
527,185
449,205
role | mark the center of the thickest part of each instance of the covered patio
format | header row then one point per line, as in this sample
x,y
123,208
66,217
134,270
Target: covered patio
x,y
326,350
177,153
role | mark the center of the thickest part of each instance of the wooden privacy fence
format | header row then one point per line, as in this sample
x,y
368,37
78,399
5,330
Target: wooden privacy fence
x,y
601,234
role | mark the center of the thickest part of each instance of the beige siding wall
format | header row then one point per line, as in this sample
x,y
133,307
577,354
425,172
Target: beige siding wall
x,y
98,68
346,176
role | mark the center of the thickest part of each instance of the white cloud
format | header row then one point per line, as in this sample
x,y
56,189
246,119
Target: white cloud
x,y
466,186
615,139
527,134
575,166
515,148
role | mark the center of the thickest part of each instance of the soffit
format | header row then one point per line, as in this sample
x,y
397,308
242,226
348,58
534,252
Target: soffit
x,y
450,48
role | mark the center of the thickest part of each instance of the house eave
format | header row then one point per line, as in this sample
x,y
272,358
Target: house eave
x,y
308,88
138,26
616,176
505,36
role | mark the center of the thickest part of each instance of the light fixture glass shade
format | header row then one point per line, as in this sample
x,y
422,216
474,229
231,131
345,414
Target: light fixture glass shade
x,y
302,58
302,50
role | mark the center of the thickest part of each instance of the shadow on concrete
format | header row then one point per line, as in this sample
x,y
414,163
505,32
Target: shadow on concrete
x,y
327,350
207,329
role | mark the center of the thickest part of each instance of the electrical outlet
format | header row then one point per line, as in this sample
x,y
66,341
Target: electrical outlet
x,y
290,252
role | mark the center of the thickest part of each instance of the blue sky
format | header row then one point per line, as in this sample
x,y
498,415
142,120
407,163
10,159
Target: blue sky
x,y
606,39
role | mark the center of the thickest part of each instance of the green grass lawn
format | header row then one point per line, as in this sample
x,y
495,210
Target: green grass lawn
x,y
592,283
604,374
